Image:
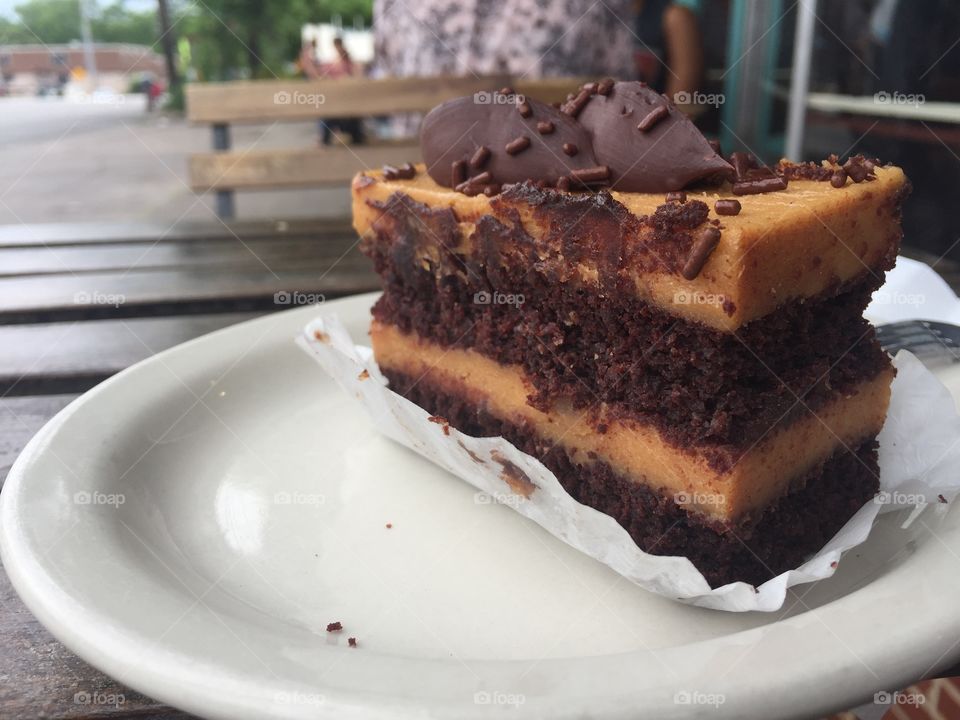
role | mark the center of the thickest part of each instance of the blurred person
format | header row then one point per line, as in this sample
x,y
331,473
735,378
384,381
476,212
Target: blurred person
x,y
522,38
528,38
670,52
309,66
343,66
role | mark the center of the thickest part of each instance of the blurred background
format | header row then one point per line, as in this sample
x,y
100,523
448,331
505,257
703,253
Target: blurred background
x,y
96,123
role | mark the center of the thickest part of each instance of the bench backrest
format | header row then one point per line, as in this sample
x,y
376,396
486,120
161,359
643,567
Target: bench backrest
x,y
224,104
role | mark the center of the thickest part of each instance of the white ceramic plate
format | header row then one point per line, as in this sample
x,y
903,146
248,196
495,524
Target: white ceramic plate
x,y
191,526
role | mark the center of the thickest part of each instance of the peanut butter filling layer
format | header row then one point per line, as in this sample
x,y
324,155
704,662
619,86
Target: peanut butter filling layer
x,y
783,246
756,477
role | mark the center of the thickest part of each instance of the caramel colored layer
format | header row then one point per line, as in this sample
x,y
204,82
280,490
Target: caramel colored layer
x,y
798,243
762,474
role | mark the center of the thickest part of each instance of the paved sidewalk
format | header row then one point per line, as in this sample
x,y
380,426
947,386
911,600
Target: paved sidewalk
x,y
71,161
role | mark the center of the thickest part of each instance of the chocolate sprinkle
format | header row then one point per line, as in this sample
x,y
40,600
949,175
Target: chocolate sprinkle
x,y
545,127
570,149
839,178
757,186
742,162
352,642
857,168
652,118
563,184
404,172
578,103
605,86
703,246
524,109
591,175
458,172
334,627
518,145
480,157
491,190
507,90
678,196
481,179
728,206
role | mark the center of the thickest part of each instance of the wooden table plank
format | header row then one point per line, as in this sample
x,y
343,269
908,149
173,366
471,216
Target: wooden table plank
x,y
116,295
39,677
217,254
49,234
73,357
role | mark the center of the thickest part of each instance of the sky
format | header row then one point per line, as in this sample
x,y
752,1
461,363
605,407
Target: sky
x,y
7,6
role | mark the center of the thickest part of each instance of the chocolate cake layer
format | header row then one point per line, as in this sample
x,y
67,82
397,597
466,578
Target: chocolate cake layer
x,y
726,483
753,550
696,384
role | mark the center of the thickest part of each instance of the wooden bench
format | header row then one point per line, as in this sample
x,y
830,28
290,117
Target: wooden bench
x,y
222,104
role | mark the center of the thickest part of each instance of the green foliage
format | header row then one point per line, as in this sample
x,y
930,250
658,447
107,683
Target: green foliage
x,y
50,21
117,24
13,33
58,21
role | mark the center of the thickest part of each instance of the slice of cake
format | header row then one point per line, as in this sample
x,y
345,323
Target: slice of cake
x,y
693,363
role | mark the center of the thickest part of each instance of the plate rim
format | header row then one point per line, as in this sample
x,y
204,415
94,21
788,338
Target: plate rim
x,y
88,633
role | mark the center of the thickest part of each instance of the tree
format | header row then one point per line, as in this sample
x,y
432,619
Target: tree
x,y
50,21
58,21
116,23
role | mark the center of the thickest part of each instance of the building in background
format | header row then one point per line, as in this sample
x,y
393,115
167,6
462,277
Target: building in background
x,y
49,69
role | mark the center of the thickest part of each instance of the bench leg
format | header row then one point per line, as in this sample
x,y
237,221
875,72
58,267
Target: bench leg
x,y
225,205
221,142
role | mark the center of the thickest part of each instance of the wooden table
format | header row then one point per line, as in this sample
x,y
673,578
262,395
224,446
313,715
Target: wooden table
x,y
78,304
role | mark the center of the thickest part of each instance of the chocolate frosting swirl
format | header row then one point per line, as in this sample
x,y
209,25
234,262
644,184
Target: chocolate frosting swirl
x,y
639,136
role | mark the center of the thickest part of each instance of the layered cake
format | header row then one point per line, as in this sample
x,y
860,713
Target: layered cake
x,y
678,336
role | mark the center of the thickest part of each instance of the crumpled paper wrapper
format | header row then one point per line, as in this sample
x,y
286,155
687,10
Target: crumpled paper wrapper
x,y
919,457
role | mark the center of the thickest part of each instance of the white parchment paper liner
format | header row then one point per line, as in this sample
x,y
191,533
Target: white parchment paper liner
x,y
919,461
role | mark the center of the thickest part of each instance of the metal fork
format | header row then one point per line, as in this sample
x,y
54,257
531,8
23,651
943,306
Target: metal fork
x,y
934,343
